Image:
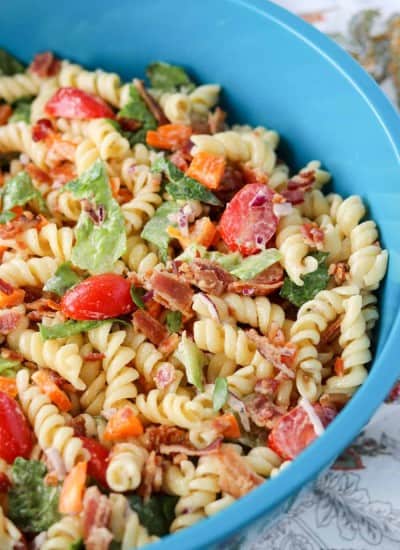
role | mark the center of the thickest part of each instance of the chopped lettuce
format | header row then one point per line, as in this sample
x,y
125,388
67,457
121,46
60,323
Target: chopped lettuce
x,y
21,111
63,279
173,320
156,514
137,296
9,367
168,78
18,191
193,359
32,505
137,109
77,545
69,328
9,64
251,266
220,393
155,230
98,244
313,283
181,186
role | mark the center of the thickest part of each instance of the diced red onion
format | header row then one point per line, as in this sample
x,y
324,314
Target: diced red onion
x,y
212,309
312,415
259,199
238,406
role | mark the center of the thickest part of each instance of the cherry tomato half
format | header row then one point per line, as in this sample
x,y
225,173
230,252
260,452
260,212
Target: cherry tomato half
x,y
74,103
15,433
97,465
248,222
99,297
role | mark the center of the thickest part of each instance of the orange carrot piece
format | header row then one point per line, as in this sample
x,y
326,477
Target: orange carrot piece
x,y
169,136
203,232
71,495
227,425
8,386
56,395
123,424
207,168
338,366
14,299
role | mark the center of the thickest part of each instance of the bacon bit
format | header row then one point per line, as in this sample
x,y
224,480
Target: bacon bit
x,y
150,327
155,436
226,425
206,275
152,475
264,284
11,354
93,356
5,483
279,356
47,383
6,288
151,103
63,173
254,175
9,321
96,511
267,387
216,121
338,366
262,411
232,181
20,224
45,64
37,174
190,450
313,235
334,401
164,376
235,476
115,184
152,307
181,158
129,124
42,130
171,292
60,150
331,332
51,479
298,185
169,345
43,304
339,271
5,113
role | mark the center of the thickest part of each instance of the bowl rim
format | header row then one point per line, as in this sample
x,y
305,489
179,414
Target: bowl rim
x,y
269,496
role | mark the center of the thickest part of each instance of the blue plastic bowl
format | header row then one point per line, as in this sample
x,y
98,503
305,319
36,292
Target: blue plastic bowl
x,y
278,71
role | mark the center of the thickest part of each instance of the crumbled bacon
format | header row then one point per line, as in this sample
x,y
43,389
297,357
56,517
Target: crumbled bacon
x,y
254,175
20,224
231,182
331,332
262,411
313,235
339,271
151,103
9,321
129,124
216,121
298,185
37,173
155,436
279,356
181,158
6,288
206,275
11,354
93,356
192,451
45,64
169,344
62,173
334,401
164,376
150,327
236,477
43,304
151,476
171,292
338,366
5,113
59,151
42,129
96,512
77,423
267,387
265,283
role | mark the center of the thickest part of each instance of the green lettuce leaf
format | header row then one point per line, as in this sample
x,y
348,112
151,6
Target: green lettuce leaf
x,y
137,296
173,320
32,505
77,545
98,245
181,186
155,230
69,328
313,283
63,279
193,359
137,109
21,111
156,514
20,190
168,78
9,367
9,64
220,393
251,266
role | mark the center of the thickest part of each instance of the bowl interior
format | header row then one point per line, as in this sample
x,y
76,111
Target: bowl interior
x,y
275,71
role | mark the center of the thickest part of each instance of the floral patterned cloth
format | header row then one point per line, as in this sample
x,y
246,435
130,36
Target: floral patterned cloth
x,y
356,504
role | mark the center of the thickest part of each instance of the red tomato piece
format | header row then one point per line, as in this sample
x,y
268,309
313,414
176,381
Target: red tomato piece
x,y
248,222
15,433
74,103
97,465
98,297
294,431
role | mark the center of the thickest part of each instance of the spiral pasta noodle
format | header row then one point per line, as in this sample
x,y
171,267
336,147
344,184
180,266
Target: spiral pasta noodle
x,y
126,526
19,85
16,137
63,533
124,471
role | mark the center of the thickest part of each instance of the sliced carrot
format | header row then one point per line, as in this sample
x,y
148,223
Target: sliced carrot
x,y
169,136
5,113
115,184
207,168
56,395
123,424
8,386
227,425
71,495
338,366
15,298
203,232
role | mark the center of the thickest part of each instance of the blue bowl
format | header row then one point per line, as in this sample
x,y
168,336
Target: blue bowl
x,y
278,71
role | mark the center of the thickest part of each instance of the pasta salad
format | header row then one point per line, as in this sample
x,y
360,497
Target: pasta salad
x,y
180,315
